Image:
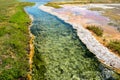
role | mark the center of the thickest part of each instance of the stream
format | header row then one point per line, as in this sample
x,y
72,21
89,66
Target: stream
x,y
59,53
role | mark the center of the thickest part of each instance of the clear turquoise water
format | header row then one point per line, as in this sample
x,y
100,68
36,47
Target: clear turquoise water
x,y
59,54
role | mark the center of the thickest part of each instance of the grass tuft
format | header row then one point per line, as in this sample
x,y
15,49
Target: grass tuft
x,y
96,29
114,45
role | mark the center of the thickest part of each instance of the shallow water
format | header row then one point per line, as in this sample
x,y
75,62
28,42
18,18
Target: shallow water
x,y
59,54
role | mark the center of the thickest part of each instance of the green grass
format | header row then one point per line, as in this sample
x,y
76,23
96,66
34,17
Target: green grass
x,y
96,29
14,40
114,45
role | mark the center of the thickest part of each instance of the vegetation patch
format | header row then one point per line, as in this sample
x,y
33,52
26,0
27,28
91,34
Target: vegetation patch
x,y
55,5
114,45
96,29
14,40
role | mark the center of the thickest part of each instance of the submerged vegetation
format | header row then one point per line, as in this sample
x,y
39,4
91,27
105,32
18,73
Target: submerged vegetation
x,y
95,29
59,54
14,40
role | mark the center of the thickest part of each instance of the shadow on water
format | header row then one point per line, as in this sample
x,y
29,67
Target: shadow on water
x,y
59,53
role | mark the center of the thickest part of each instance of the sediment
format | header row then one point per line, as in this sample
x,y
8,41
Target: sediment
x,y
31,49
102,53
31,54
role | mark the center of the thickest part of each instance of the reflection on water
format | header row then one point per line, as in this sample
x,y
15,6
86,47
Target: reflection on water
x,y
59,54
